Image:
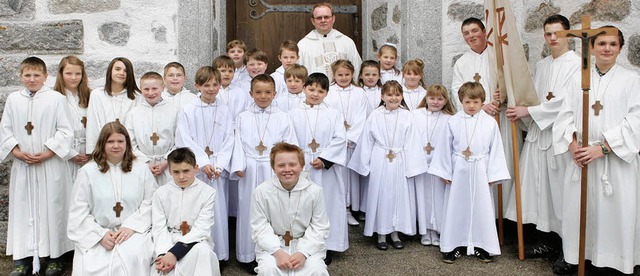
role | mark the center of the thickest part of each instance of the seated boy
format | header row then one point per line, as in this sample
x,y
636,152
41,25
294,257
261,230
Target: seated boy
x,y
182,216
289,222
295,76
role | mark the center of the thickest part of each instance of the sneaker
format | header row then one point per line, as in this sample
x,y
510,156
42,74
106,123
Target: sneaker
x,y
54,269
451,256
541,250
21,270
351,220
426,240
435,238
482,255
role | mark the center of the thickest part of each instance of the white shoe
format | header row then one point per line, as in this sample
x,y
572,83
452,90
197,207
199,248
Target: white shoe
x,y
426,240
435,238
351,220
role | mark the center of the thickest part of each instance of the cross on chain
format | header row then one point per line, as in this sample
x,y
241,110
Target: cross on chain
x,y
347,126
261,148
184,228
154,138
597,107
467,152
118,208
208,151
391,155
29,128
428,148
287,238
550,96
477,78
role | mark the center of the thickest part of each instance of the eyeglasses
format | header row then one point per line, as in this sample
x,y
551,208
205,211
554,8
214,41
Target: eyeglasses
x,y
325,17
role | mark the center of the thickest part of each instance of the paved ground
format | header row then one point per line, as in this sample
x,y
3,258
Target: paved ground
x,y
363,258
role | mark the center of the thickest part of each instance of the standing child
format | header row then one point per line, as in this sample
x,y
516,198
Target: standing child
x,y
431,119
350,100
388,152
175,92
388,56
37,132
287,56
206,127
257,62
236,50
152,127
292,97
413,87
322,137
257,129
113,101
72,82
369,80
182,219
475,162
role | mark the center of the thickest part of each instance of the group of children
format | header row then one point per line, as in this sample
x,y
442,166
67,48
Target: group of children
x,y
386,147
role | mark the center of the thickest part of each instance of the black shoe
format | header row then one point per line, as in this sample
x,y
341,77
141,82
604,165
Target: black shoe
x,y
223,265
482,255
250,267
561,267
397,244
382,245
21,270
54,269
451,257
541,250
328,258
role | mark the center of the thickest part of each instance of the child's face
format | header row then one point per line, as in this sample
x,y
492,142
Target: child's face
x,y
315,94
209,90
471,106
435,103
392,99
288,58
115,147
237,54
294,85
263,93
226,75
411,79
119,73
370,76
152,90
287,168
71,76
255,67
33,78
183,174
387,60
343,77
174,78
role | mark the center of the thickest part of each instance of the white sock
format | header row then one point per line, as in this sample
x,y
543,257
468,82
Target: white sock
x,y
382,238
394,236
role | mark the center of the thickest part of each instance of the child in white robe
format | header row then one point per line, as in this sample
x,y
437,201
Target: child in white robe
x,y
112,102
288,218
37,134
152,126
295,76
257,62
350,100
388,152
413,85
205,126
175,92
322,137
288,56
475,162
387,57
182,217
236,50
369,80
257,129
431,119
110,212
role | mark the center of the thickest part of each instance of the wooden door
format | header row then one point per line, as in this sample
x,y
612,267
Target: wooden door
x,y
265,24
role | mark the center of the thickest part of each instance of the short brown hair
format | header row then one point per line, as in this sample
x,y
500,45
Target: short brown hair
x,y
174,64
182,155
297,71
33,63
236,43
223,61
99,154
263,78
322,4
289,45
256,54
472,90
285,147
151,76
207,73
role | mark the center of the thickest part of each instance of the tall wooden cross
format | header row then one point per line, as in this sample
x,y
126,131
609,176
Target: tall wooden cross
x,y
585,35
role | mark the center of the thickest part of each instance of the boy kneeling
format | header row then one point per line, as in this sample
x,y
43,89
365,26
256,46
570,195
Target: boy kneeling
x,y
289,223
182,219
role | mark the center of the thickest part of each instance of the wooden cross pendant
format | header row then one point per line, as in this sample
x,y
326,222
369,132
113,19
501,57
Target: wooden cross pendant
x,y
154,138
550,96
117,120
597,107
428,148
391,155
477,77
118,208
208,151
467,152
184,228
287,238
84,121
261,148
29,128
347,126
313,145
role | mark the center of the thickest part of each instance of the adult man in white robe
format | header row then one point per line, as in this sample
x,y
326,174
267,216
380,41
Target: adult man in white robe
x,y
289,222
541,172
324,45
182,217
474,66
612,236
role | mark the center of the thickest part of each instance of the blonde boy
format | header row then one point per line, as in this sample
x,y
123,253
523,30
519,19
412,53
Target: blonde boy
x,y
295,76
152,126
288,56
174,91
236,50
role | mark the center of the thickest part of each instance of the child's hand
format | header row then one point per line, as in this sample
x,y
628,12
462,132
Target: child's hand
x,y
283,260
517,112
490,109
81,159
586,155
209,170
166,263
297,260
316,164
108,241
43,156
123,234
217,173
573,148
240,173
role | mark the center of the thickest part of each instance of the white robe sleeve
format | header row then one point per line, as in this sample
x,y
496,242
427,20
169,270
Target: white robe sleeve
x,y
336,151
360,161
358,120
415,159
497,170
82,227
441,164
238,162
62,140
564,126
226,150
161,236
140,221
624,139
129,125
7,137
93,121
261,231
318,229
184,139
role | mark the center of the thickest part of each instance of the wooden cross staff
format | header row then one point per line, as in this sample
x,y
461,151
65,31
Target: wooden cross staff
x,y
585,35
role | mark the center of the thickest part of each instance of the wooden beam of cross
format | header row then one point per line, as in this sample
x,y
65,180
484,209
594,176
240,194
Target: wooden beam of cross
x,y
585,35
